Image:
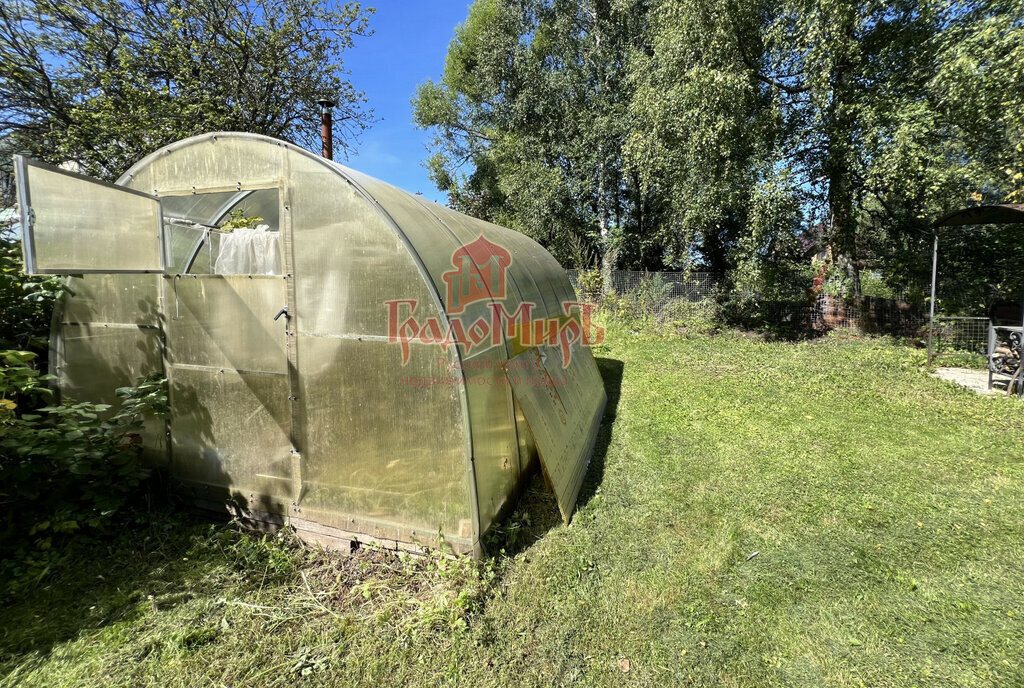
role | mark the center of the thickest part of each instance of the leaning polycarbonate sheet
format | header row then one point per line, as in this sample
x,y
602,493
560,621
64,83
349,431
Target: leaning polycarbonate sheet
x,y
230,431
78,224
226,322
588,374
384,442
564,416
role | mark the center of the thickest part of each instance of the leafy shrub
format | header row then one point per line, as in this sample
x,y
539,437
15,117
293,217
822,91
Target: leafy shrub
x,y
696,317
770,295
590,284
651,293
26,303
624,310
639,307
64,468
239,220
873,284
740,309
830,278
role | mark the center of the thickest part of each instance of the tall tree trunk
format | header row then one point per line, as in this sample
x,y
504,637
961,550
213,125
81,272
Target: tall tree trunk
x,y
844,230
839,167
602,223
603,213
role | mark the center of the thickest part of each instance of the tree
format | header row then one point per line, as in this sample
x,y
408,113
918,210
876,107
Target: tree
x,y
734,134
853,122
842,72
104,82
958,141
703,133
532,102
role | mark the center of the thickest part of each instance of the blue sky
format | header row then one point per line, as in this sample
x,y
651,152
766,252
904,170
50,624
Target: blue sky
x,y
408,47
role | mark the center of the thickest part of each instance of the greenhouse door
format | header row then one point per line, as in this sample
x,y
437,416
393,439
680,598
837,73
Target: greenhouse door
x,y
73,224
228,336
227,371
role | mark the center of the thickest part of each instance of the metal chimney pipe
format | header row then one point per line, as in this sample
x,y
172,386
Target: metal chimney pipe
x,y
326,127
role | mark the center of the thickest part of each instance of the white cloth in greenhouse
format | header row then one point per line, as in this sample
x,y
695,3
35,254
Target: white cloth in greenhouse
x,y
249,252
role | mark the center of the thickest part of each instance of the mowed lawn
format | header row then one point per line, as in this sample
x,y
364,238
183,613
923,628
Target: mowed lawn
x,y
819,513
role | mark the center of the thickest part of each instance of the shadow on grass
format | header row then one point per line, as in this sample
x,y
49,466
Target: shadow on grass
x,y
162,560
537,511
152,559
611,372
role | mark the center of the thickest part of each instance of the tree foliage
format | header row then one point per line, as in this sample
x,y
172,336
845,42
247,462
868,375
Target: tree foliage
x,y
736,135
104,82
533,104
26,303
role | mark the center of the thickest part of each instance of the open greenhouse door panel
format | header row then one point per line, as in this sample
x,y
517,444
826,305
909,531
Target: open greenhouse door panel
x,y
73,224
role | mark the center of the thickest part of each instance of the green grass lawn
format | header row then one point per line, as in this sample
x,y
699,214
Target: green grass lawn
x,y
885,509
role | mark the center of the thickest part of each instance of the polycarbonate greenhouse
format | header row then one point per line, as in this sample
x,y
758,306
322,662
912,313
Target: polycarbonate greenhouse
x,y
341,355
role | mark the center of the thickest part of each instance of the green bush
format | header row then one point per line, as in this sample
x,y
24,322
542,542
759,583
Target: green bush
x,y
651,293
64,467
590,284
751,311
691,317
741,309
26,303
873,284
639,308
624,309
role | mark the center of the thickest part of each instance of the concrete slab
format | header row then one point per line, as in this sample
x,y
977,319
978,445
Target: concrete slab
x,y
971,378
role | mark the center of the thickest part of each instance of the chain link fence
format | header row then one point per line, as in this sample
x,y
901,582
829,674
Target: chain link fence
x,y
693,300
957,333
